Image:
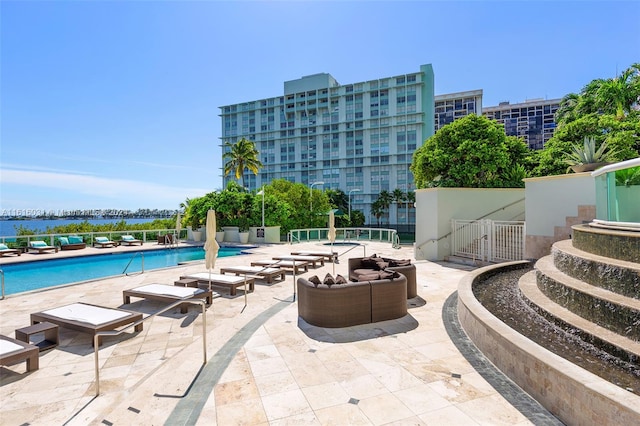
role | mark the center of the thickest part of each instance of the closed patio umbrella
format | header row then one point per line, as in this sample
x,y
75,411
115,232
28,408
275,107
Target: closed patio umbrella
x,y
178,227
332,234
211,246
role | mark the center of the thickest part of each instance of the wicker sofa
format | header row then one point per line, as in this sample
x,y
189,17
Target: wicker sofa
x,y
353,303
364,265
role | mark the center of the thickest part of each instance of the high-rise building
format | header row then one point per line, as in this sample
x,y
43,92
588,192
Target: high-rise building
x,y
453,106
533,120
354,136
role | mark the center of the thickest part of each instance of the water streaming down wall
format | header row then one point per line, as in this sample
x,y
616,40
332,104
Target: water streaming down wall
x,y
596,296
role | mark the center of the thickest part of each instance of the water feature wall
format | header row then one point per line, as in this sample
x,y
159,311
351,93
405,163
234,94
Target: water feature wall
x,y
590,283
571,393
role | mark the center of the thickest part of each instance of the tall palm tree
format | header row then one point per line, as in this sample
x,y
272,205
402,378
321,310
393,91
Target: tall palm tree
x,y
398,197
385,199
241,156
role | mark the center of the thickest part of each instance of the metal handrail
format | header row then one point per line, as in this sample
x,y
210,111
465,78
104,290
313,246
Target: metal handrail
x,y
99,334
131,260
2,275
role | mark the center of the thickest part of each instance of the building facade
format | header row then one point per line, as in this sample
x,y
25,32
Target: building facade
x,y
533,120
358,136
453,106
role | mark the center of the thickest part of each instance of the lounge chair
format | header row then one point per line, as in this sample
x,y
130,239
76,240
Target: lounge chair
x,y
13,351
264,273
104,242
313,260
41,246
219,280
285,264
129,240
168,294
88,318
72,242
329,256
6,250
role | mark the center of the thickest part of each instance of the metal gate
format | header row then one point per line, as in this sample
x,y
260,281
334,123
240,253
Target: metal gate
x,y
488,240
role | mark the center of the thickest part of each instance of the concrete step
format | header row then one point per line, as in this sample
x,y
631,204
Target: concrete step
x,y
613,311
616,342
615,275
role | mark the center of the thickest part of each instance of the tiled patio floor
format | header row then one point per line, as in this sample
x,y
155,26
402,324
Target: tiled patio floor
x,y
265,366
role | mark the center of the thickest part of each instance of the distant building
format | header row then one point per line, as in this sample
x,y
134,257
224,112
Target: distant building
x,y
354,136
453,106
532,120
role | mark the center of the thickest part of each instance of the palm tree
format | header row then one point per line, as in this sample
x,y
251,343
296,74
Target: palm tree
x,y
615,96
411,200
385,199
398,197
377,210
619,94
241,155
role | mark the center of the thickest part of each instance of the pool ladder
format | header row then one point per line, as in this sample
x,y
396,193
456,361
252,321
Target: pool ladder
x,y
131,260
2,278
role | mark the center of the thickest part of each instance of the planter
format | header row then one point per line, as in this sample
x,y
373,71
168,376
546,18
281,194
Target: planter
x,y
220,236
589,167
197,235
244,237
231,234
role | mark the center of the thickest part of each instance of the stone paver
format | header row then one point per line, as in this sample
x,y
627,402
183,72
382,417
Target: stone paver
x,y
264,365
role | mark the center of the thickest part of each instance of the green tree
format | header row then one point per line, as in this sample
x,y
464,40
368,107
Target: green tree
x,y
385,199
241,156
472,152
622,137
377,210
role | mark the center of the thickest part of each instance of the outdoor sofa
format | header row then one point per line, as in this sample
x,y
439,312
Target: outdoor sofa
x,y
71,242
373,265
352,303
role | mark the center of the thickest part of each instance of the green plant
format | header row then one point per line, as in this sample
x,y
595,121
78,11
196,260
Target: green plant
x,y
587,153
628,177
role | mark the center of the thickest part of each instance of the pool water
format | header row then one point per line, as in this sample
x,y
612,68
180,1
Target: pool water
x,y
20,277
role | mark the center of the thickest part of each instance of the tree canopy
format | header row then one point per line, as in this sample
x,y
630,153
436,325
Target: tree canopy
x,y
471,152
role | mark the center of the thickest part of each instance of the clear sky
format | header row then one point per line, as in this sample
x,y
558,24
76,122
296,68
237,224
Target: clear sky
x,y
114,104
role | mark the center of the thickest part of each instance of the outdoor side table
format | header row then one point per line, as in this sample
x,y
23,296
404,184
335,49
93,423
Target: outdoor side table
x,y
50,331
186,282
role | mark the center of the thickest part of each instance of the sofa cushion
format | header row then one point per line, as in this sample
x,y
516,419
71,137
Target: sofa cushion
x,y
399,262
75,239
63,241
381,264
372,276
370,262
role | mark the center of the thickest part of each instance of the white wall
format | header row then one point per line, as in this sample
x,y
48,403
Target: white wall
x,y
551,199
435,207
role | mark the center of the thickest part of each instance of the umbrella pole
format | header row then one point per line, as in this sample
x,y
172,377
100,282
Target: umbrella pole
x,y
245,291
294,281
333,263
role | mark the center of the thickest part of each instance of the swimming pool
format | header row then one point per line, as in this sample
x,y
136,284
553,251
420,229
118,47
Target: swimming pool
x,y
26,276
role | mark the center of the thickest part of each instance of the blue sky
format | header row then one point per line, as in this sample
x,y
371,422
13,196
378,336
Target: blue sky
x,y
114,104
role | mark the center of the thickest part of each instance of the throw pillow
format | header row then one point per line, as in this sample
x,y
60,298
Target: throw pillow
x,y
3,247
385,275
329,280
63,241
399,262
75,240
340,279
381,265
314,279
